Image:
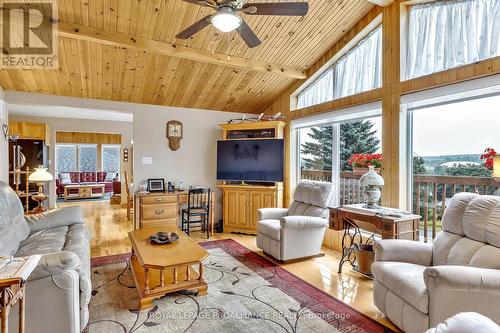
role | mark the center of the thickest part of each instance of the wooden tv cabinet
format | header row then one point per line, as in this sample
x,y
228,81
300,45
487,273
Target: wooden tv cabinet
x,y
240,203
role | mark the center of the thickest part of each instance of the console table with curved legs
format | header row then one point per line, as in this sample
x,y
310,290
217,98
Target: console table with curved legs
x,y
387,226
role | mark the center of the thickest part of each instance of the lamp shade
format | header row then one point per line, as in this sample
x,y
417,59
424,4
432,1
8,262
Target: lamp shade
x,y
496,167
371,178
40,175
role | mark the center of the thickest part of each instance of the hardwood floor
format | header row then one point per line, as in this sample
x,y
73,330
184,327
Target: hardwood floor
x,y
109,231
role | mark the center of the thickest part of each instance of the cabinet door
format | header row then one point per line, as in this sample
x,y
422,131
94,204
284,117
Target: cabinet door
x,y
260,199
236,209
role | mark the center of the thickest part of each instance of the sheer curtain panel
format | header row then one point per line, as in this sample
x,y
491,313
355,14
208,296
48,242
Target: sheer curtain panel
x,y
360,69
447,34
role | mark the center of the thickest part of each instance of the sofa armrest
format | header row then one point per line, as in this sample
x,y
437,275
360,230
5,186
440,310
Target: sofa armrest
x,y
401,250
56,263
303,222
463,278
55,218
272,213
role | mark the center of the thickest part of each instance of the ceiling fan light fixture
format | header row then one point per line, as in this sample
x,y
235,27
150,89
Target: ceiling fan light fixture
x,y
226,21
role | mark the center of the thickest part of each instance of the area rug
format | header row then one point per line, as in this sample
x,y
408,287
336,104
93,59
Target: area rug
x,y
246,293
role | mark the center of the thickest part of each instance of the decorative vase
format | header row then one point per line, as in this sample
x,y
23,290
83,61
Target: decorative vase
x,y
371,182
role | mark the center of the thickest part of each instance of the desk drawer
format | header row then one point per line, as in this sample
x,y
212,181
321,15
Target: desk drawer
x,y
159,211
159,199
159,223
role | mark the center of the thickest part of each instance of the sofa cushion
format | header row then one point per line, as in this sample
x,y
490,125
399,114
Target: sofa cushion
x,y
75,177
43,242
13,226
270,228
88,177
313,193
405,280
101,176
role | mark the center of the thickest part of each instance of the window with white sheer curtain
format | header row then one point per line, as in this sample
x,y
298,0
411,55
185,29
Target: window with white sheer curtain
x,y
447,34
360,69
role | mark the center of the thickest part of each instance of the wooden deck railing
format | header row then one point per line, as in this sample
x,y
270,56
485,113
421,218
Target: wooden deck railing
x,y
430,194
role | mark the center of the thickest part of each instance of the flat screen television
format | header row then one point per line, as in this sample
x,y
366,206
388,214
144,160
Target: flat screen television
x,y
250,160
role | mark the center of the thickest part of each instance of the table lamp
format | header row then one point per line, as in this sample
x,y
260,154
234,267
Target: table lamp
x,y
40,176
371,182
496,168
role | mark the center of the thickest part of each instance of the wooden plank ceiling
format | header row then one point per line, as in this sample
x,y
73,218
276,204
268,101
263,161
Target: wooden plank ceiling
x,y
94,70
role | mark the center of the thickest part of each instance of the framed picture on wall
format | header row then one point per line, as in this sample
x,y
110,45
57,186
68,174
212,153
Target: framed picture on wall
x,y
156,185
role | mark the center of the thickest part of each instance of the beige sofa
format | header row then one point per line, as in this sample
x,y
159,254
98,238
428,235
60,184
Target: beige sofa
x,y
467,322
419,285
58,291
296,232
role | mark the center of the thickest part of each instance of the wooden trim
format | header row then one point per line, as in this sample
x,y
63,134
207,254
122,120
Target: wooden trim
x,y
349,101
94,138
116,39
383,3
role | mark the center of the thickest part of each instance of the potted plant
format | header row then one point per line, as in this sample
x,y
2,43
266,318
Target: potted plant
x,y
488,156
361,162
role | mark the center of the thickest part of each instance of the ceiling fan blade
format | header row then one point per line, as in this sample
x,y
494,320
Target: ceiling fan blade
x,y
194,28
248,35
278,8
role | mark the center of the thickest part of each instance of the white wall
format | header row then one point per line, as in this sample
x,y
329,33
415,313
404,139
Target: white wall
x,y
4,144
194,162
79,125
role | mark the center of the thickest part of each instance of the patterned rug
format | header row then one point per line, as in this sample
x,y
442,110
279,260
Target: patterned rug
x,y
246,293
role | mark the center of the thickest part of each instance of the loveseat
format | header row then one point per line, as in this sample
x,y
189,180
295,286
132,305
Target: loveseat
x,y
80,178
420,285
59,289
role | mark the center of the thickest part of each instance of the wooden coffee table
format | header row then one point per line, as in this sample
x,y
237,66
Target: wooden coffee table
x,y
162,269
85,191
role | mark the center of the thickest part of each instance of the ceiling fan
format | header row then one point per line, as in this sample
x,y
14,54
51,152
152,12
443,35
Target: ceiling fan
x,y
226,18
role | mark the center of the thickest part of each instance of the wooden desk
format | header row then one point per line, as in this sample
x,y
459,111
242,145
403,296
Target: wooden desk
x,y
163,209
388,227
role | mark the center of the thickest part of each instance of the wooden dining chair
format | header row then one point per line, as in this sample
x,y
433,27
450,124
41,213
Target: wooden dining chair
x,y
130,198
197,211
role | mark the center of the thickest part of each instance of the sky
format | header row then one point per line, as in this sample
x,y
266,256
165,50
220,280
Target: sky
x,y
459,128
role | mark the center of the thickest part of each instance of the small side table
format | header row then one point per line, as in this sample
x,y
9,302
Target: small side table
x,y
389,223
12,290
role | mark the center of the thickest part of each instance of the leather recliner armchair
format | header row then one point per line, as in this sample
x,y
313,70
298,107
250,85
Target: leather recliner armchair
x,y
419,285
296,232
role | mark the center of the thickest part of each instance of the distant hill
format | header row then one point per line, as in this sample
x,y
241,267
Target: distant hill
x,y
433,161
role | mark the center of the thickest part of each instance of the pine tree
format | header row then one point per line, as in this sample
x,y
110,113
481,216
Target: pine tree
x,y
355,138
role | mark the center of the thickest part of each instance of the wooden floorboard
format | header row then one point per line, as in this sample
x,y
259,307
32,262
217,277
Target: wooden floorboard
x,y
109,231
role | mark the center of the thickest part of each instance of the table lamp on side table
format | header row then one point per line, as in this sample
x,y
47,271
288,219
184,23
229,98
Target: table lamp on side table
x,y
40,176
496,168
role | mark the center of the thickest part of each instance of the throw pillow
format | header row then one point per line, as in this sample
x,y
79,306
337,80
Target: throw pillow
x,y
65,178
110,176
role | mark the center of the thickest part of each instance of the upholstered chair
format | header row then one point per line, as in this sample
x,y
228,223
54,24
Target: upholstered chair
x,y
296,232
467,322
420,285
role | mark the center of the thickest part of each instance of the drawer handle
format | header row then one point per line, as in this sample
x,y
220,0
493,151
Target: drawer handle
x,y
159,199
159,211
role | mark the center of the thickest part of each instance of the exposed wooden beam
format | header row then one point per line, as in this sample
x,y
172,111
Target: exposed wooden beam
x,y
382,3
81,32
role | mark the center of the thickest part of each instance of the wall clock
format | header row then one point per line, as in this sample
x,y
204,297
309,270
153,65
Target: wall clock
x,y
174,134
